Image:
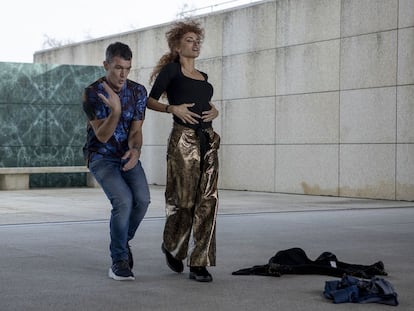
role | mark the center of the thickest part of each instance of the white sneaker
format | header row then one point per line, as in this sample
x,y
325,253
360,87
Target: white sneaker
x,y
121,271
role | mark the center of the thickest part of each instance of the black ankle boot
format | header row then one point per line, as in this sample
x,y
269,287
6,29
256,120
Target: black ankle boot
x,y
200,274
175,264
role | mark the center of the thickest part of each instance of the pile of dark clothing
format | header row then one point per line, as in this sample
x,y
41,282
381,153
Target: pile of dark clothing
x,y
295,261
348,289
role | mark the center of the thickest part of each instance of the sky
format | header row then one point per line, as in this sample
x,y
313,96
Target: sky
x,y
27,26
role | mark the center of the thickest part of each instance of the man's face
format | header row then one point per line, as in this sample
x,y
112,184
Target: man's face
x,y
117,72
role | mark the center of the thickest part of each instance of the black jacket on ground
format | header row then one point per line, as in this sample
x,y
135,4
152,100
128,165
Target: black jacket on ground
x,y
295,261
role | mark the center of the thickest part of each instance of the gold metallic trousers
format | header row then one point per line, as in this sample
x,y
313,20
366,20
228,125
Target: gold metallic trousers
x,y
191,197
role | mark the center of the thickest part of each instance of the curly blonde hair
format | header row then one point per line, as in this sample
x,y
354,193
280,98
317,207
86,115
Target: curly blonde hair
x,y
174,36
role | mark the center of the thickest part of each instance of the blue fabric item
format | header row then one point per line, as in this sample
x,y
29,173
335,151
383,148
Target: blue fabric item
x,y
348,294
351,289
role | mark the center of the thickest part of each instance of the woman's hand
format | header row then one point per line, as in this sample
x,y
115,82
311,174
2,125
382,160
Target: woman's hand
x,y
182,112
211,114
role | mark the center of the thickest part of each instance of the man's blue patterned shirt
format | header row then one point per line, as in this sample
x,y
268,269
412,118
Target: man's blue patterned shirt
x,y
133,98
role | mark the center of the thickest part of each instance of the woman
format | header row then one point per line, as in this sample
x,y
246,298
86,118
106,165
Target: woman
x,y
192,160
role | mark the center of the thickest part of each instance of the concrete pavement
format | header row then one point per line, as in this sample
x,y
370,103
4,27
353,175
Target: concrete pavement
x,y
54,252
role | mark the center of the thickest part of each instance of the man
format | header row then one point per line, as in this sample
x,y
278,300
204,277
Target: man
x,y
115,107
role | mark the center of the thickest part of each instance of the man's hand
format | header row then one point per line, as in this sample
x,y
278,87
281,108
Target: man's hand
x,y
113,100
132,157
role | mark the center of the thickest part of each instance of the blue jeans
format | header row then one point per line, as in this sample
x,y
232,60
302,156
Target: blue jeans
x,y
129,195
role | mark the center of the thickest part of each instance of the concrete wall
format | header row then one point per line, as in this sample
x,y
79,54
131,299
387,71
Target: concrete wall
x,y
315,96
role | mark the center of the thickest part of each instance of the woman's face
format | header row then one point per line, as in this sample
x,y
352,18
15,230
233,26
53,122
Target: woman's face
x,y
189,46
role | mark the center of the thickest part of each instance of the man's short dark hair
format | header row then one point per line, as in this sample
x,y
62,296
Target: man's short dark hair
x,y
118,49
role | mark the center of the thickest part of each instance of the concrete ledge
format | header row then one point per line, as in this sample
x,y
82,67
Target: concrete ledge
x,y
17,178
